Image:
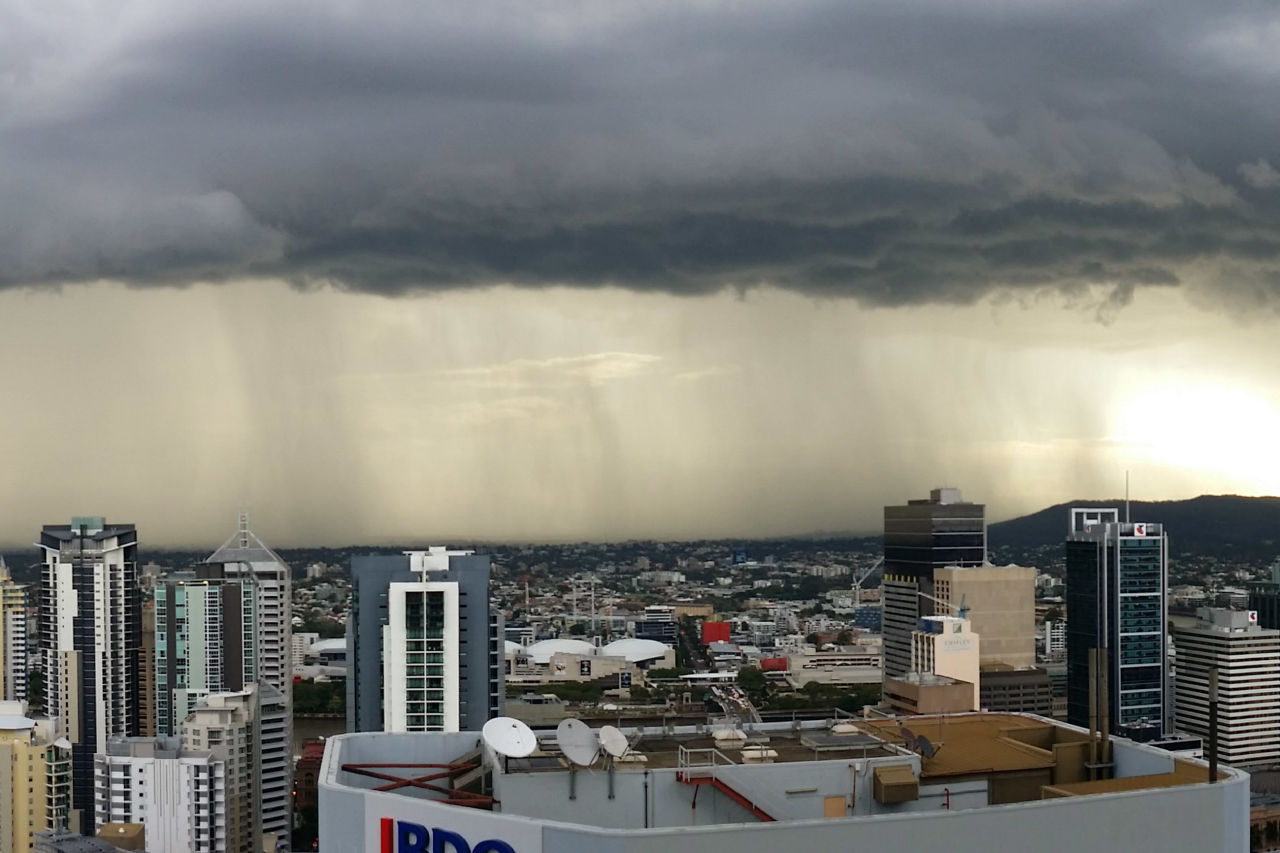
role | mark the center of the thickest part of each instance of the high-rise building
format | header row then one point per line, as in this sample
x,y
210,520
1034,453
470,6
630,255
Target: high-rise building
x,y
13,638
1116,597
179,796
1247,658
245,558
205,642
922,536
425,650
35,778
260,717
215,786
1000,603
90,641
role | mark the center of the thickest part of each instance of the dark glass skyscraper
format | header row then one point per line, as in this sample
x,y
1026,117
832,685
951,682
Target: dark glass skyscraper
x,y
90,642
919,537
1116,600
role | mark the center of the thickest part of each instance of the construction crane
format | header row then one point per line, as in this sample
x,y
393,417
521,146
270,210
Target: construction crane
x,y
962,611
859,577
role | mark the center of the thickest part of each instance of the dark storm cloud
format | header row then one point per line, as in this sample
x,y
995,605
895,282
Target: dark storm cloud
x,y
895,153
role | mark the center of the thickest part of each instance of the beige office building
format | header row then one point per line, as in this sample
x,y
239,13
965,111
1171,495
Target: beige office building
x,y
1001,609
35,778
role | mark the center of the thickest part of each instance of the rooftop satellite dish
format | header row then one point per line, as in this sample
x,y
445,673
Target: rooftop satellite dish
x,y
577,741
909,738
613,740
926,747
509,737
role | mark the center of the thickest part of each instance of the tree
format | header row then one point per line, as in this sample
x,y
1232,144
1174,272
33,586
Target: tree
x,y
319,697
752,681
812,640
578,629
844,638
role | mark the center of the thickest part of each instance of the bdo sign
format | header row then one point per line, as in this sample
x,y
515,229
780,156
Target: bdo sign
x,y
402,836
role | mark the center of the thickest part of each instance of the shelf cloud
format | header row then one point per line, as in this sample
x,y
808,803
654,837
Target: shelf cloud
x,y
890,153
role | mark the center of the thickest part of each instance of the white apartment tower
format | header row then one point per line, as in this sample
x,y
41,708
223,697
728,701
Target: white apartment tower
x,y
222,786
245,558
1247,658
13,638
90,642
178,795
420,645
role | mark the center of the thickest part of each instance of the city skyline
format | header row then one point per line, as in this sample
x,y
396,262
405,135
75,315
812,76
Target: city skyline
x,y
558,273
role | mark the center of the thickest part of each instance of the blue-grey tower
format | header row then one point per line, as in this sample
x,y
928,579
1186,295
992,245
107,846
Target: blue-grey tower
x,y
425,649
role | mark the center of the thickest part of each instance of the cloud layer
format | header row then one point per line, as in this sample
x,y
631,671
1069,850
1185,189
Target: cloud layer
x,y
930,152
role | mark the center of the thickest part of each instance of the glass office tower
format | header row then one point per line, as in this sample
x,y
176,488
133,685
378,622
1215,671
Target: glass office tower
x,y
1116,600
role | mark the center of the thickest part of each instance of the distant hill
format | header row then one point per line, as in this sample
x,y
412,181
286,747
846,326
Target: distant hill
x,y
1226,525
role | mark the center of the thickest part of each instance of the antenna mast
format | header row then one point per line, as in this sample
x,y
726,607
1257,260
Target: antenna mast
x,y
1126,496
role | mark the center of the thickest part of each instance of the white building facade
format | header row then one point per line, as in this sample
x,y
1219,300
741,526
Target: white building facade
x,y
179,796
420,658
223,784
1055,640
1247,659
946,646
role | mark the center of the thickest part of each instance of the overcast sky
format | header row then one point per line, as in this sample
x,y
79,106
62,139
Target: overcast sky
x,y
554,270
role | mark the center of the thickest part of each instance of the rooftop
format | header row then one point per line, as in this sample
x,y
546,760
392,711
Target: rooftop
x,y
1011,757
663,750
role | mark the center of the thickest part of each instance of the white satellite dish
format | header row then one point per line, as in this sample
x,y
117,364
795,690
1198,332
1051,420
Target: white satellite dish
x,y
613,741
509,737
577,741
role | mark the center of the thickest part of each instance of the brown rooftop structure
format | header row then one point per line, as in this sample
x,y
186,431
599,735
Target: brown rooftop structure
x,y
968,743
1017,755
